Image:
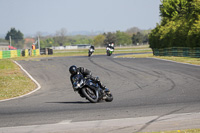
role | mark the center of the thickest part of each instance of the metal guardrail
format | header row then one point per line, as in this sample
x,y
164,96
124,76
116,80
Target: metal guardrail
x,y
178,51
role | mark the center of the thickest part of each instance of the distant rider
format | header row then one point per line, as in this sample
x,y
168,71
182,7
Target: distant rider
x,y
92,47
111,45
86,73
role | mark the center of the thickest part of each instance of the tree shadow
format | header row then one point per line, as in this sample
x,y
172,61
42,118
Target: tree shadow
x,y
72,102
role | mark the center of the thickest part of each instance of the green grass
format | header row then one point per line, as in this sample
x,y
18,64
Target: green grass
x,y
13,82
195,61
181,131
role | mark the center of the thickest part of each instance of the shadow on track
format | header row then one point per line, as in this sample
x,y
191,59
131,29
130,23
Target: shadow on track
x,y
77,102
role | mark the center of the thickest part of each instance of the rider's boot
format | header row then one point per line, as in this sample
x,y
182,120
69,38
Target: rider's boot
x,y
102,86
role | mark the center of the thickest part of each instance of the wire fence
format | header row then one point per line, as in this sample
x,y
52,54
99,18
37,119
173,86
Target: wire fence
x,y
178,51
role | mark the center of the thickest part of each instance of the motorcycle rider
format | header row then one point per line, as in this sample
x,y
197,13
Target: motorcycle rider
x,y
111,45
92,47
91,50
86,73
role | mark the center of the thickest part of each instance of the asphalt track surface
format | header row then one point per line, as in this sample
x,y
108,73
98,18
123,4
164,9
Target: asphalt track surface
x,y
142,88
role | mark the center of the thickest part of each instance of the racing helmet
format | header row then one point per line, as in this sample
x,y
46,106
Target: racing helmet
x,y
73,69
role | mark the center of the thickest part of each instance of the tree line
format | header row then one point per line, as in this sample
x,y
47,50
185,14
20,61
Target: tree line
x,y
132,36
179,26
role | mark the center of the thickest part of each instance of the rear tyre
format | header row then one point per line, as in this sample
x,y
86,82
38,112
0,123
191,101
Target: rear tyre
x,y
90,94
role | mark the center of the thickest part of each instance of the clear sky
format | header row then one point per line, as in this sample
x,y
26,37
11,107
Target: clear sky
x,y
32,16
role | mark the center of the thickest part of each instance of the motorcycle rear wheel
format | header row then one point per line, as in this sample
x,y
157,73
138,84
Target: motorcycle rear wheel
x,y
90,94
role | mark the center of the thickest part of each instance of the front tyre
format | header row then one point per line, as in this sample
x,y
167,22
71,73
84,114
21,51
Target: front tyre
x,y
109,96
108,53
90,94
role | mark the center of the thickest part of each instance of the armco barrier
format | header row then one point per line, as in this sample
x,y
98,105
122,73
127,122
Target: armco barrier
x,y
178,51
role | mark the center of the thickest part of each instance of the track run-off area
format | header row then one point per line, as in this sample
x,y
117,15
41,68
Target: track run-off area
x,y
149,95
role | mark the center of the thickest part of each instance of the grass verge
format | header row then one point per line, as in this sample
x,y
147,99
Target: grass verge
x,y
194,61
181,131
13,82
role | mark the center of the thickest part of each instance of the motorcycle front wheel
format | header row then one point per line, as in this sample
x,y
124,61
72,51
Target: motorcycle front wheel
x,y
109,96
90,94
108,53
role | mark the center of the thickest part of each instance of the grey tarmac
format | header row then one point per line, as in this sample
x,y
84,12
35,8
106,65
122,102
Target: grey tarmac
x,y
148,93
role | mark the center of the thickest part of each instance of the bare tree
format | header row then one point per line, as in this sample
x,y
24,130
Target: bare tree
x,y
133,30
60,37
38,34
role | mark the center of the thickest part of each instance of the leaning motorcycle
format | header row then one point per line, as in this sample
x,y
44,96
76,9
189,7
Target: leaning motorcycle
x,y
109,51
90,90
91,50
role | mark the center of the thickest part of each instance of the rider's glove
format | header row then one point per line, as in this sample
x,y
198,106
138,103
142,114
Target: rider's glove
x,y
97,79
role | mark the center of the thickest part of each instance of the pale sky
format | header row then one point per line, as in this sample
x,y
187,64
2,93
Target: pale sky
x,y
32,16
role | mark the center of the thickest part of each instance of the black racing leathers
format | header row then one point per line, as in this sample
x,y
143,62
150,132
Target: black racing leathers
x,y
87,73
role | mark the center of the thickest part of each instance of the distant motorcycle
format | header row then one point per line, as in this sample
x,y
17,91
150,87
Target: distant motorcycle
x,y
90,90
91,50
109,51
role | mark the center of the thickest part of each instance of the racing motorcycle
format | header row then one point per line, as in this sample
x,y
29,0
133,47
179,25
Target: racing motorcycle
x,y
109,51
90,90
91,50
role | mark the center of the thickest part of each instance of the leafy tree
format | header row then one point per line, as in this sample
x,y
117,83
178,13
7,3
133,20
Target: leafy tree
x,y
49,42
138,38
123,38
179,26
16,38
173,8
194,34
99,40
79,39
109,38
15,35
154,37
